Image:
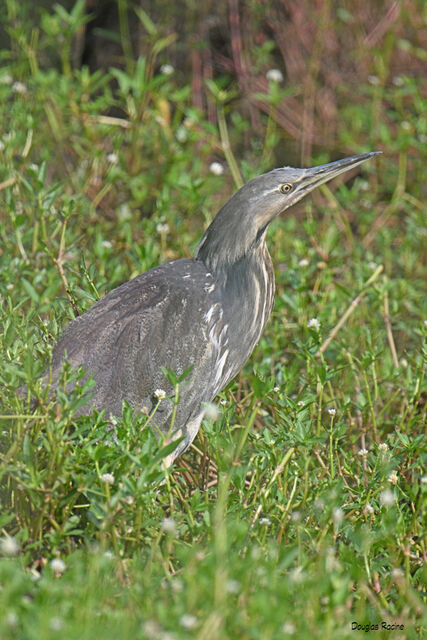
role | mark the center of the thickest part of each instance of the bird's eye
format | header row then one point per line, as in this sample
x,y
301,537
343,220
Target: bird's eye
x,y
286,188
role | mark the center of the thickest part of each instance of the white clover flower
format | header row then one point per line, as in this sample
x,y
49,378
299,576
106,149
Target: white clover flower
x,y
160,120
216,168
232,586
108,478
424,480
398,81
188,621
167,69
304,262
56,624
374,80
107,245
223,402
296,516
151,629
363,453
58,566
211,411
383,447
397,573
265,522
11,619
313,323
288,628
177,585
337,515
129,500
19,87
372,265
274,75
332,412
162,228
406,126
9,546
113,158
181,134
300,403
169,526
296,575
331,562
387,498
276,389
6,78
160,394
368,508
393,478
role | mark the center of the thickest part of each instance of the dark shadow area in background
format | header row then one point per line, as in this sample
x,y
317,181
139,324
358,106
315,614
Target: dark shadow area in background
x,y
323,49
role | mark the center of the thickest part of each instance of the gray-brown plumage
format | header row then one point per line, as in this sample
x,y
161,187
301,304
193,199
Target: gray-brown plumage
x,y
207,312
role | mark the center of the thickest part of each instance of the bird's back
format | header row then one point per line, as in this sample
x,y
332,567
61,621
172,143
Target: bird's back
x,y
156,320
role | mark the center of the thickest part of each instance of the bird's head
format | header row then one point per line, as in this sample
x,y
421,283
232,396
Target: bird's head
x,y
242,221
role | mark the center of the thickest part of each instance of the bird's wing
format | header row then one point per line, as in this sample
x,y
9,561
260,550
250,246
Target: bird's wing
x,y
159,319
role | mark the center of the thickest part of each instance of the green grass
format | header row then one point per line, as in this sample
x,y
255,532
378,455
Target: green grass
x,y
300,509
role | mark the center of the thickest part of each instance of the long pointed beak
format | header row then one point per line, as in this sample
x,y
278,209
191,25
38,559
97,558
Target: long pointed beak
x,y
315,176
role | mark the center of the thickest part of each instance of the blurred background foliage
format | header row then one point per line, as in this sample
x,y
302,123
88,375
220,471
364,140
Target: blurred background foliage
x,y
326,51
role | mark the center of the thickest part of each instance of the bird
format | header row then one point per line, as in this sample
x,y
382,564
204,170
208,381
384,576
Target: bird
x,y
198,317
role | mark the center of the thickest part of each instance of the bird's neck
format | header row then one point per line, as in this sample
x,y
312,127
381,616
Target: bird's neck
x,y
247,293
231,237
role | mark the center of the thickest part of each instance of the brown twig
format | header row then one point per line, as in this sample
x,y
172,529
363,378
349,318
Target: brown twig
x,y
196,78
8,183
240,63
383,25
388,328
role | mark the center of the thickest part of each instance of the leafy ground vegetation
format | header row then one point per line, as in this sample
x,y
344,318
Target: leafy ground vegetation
x,y
299,512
